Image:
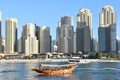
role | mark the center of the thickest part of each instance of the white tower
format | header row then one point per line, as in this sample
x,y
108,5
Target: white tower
x,y
29,40
11,35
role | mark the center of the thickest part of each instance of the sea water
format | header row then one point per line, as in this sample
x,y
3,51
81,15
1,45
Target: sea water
x,y
90,71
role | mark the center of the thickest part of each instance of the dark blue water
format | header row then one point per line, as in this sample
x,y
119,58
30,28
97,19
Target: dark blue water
x,y
91,71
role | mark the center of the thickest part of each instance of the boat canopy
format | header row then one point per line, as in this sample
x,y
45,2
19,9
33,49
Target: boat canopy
x,y
51,65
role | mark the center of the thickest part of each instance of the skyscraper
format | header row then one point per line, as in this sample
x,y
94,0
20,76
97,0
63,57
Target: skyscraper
x,y
31,45
84,31
54,46
44,39
29,40
118,45
74,43
36,31
0,33
65,35
3,45
19,45
11,35
107,30
95,45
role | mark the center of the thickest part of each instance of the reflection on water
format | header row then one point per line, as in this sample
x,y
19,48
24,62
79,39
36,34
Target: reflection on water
x,y
91,71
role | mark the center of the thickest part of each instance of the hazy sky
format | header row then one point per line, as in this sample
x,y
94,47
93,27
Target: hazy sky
x,y
48,12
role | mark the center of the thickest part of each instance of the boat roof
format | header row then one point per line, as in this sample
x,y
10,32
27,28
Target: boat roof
x,y
53,65
75,57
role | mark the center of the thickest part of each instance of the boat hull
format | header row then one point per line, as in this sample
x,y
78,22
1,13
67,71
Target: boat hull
x,y
55,72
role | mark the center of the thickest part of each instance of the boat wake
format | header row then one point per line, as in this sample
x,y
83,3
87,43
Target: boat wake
x,y
116,69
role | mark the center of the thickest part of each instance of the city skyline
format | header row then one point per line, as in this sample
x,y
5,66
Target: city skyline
x,y
50,14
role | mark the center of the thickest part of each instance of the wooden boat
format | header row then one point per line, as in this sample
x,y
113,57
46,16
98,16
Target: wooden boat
x,y
55,69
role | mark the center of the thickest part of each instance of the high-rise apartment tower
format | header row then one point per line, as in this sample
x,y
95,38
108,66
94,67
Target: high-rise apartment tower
x,y
11,35
107,30
84,31
65,35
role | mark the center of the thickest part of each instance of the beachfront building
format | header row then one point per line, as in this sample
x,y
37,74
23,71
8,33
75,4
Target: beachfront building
x,y
44,39
0,32
84,31
65,35
107,30
29,40
11,35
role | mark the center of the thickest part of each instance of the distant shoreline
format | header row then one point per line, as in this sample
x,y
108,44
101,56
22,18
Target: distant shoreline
x,y
54,60
33,60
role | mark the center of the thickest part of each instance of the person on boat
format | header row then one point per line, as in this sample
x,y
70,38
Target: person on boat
x,y
40,66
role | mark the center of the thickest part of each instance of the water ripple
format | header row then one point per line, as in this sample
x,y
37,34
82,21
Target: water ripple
x,y
7,71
